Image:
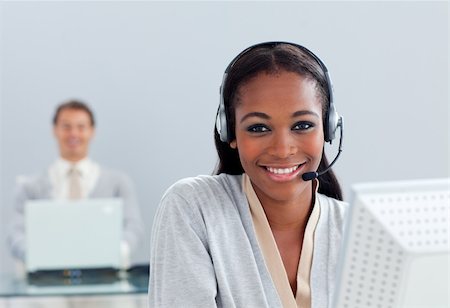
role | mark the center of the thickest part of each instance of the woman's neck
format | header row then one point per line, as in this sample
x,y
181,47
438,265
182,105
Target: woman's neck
x,y
288,215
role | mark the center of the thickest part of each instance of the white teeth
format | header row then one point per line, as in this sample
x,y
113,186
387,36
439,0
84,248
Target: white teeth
x,y
281,170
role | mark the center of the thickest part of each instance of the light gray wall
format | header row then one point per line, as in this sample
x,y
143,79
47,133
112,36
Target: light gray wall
x,y
151,72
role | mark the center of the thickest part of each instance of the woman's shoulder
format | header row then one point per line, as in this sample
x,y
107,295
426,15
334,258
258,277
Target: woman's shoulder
x,y
333,207
205,185
203,196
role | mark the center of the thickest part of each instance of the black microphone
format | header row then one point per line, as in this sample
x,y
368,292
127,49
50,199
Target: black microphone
x,y
308,176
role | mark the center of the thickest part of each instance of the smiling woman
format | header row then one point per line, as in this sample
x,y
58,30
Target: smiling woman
x,y
288,58
257,234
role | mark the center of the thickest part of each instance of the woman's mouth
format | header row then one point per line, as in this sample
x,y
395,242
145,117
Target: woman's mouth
x,y
281,174
282,170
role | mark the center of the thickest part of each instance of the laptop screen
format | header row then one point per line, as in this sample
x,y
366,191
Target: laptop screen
x,y
82,234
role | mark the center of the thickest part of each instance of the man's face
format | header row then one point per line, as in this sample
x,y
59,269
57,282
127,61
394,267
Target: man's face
x,y
73,131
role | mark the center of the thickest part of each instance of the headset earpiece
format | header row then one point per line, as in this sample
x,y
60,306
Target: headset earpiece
x,y
332,122
221,118
221,122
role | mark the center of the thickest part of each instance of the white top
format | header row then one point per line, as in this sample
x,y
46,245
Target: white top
x,y
59,177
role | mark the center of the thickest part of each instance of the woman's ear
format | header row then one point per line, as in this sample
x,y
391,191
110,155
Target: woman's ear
x,y
233,144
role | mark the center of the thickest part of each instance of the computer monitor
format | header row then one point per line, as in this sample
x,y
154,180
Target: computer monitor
x,y
396,246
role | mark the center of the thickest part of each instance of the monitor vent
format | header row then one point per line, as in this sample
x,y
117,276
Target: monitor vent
x,y
419,222
375,266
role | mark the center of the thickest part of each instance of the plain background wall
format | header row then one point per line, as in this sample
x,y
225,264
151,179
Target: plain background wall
x,y
151,71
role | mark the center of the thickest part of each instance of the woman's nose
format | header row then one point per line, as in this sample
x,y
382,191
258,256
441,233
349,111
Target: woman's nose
x,y
282,145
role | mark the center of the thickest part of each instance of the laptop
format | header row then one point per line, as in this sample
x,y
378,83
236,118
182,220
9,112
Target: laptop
x,y
70,235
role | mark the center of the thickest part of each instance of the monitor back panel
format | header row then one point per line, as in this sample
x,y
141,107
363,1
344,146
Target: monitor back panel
x,y
396,246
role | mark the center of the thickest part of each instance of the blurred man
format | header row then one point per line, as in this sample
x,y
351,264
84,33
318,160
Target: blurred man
x,y
75,176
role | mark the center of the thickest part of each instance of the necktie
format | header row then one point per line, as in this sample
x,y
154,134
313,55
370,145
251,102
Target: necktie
x,y
74,183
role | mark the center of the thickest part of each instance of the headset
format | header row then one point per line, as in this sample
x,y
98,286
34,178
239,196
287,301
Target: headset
x,y
331,122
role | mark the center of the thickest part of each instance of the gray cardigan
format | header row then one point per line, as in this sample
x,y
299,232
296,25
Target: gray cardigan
x,y
110,184
205,252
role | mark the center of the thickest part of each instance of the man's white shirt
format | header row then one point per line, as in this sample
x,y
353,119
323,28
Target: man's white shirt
x,y
59,177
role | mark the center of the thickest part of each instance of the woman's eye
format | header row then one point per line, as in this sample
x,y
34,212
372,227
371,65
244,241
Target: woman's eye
x,y
258,128
303,126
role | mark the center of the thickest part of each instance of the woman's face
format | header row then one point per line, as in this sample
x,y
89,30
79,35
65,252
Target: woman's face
x,y
279,134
